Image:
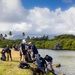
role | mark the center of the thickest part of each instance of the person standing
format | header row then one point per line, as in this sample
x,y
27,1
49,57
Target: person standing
x,y
23,50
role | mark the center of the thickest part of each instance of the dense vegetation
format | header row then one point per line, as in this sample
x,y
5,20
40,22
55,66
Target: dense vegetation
x,y
67,41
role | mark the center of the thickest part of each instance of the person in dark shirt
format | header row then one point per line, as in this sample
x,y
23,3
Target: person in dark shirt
x,y
33,49
41,64
23,50
49,60
8,51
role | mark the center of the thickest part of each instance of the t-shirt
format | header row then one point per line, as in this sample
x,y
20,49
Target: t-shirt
x,y
49,59
34,49
41,62
6,49
23,46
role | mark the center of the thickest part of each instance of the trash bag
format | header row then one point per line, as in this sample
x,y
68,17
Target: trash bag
x,y
3,57
28,57
24,65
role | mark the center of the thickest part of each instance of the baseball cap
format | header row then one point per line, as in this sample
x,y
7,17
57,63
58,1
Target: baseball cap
x,y
29,42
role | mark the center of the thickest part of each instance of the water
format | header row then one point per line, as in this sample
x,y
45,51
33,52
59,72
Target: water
x,y
65,58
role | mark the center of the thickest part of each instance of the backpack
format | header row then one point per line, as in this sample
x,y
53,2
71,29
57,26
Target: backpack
x,y
3,57
24,65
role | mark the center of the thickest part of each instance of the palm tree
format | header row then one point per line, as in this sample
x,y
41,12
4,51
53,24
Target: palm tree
x,y
23,34
5,35
1,36
10,33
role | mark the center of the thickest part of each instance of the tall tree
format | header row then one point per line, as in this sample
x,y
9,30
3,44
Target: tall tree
x,y
1,36
5,36
10,33
23,34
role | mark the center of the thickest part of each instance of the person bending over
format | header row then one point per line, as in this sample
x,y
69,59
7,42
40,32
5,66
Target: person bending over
x,y
41,64
32,48
49,60
8,51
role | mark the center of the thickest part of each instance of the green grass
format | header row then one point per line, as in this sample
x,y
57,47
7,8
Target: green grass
x,y
11,68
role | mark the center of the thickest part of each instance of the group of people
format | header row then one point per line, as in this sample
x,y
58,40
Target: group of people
x,y
42,63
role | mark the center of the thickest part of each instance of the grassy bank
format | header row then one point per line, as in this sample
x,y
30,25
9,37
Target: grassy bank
x,y
11,67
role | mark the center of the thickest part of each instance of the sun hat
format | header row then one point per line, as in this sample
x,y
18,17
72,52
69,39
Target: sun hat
x,y
23,41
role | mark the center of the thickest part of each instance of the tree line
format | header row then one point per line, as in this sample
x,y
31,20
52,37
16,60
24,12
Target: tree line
x,y
66,41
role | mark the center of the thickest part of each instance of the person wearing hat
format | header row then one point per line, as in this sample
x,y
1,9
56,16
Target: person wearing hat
x,y
32,48
23,50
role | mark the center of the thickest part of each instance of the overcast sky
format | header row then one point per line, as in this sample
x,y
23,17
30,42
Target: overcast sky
x,y
37,17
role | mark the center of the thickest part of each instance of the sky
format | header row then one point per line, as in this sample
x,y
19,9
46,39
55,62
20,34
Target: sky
x,y
37,17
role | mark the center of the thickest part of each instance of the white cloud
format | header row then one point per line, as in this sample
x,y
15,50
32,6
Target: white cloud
x,y
22,27
52,22
12,11
14,17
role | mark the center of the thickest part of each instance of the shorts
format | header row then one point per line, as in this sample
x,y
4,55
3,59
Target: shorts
x,y
24,52
40,71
